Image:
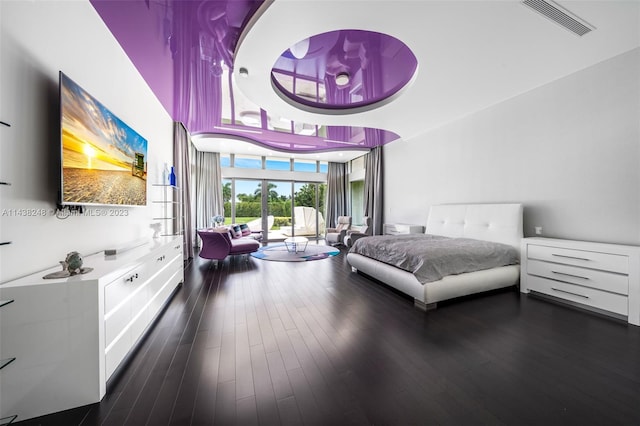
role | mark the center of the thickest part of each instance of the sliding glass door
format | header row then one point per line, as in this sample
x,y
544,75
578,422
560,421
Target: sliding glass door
x,y
279,209
308,217
247,204
284,208
280,195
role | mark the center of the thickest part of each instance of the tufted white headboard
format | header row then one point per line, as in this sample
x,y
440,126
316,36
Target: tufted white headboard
x,y
500,223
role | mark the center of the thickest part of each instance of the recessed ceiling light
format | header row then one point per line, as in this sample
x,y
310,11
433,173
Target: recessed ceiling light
x,y
342,78
243,72
300,49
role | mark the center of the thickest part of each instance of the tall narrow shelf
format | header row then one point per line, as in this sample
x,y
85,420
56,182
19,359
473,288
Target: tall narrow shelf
x,y
170,202
3,363
4,183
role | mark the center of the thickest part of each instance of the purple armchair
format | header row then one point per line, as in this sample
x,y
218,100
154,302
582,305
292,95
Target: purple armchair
x,y
218,244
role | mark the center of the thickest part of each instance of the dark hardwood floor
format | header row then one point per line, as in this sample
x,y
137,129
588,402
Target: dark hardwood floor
x,y
249,341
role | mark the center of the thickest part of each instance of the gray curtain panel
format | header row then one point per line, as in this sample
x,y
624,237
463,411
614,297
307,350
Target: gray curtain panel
x,y
182,166
337,202
208,188
373,196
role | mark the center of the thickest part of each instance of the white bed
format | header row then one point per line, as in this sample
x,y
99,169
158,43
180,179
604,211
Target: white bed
x,y
500,223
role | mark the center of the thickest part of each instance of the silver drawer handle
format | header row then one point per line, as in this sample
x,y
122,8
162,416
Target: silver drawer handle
x,y
570,275
132,277
570,257
568,292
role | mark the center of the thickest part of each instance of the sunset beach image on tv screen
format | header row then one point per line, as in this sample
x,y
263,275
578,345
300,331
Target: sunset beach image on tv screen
x,y
104,161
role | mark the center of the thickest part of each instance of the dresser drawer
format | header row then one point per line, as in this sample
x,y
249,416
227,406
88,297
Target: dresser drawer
x,y
584,295
120,289
116,352
115,322
170,267
163,293
168,252
583,258
600,280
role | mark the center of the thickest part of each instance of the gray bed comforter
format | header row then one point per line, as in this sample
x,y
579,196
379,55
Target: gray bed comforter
x,y
432,257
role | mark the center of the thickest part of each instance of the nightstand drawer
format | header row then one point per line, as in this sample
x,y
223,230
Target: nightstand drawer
x,y
584,295
606,281
583,258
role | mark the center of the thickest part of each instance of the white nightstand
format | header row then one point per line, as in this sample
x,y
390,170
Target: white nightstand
x,y
597,276
401,228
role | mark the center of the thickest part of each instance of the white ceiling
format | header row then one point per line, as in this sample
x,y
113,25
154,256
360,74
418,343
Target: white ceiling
x,y
225,144
471,54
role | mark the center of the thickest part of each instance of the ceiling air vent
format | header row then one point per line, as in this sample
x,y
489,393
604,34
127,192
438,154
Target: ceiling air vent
x,y
560,16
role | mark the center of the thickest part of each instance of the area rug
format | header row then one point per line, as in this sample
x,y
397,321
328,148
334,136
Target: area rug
x,y
279,252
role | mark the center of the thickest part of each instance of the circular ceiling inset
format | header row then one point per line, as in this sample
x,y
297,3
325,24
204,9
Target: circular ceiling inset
x,y
343,69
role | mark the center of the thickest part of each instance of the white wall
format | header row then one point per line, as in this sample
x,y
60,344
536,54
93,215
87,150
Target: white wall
x,y
39,39
569,151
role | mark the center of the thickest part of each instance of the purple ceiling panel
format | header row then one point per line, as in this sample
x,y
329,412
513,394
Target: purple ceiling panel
x,y
143,30
373,66
184,50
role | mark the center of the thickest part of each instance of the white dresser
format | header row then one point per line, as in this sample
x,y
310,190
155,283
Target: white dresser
x,y
401,228
67,336
598,276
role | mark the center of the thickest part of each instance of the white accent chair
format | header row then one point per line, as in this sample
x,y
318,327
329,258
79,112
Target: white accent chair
x,y
336,235
357,232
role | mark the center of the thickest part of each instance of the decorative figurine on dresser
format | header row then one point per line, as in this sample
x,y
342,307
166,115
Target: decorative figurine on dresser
x,y
71,265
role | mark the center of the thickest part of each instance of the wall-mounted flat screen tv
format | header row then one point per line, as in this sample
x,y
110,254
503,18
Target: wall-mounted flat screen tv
x,y
104,161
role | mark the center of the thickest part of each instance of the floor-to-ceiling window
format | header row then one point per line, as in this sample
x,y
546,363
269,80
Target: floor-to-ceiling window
x,y
356,190
357,201
248,201
309,211
281,195
279,208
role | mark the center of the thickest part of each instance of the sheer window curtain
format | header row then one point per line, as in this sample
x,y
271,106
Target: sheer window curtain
x,y
337,191
208,200
373,196
182,169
